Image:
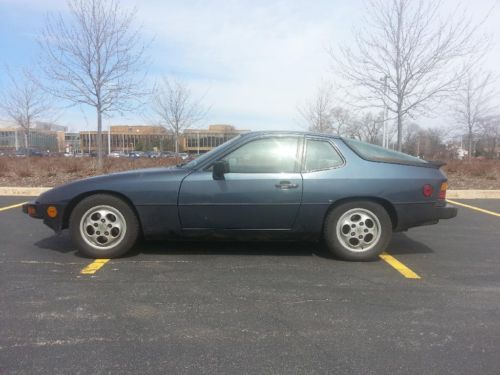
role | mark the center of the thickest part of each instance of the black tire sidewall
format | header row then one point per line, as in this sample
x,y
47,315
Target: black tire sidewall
x,y
338,249
131,235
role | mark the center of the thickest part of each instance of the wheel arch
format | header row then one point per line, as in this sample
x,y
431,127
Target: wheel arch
x,y
77,199
388,206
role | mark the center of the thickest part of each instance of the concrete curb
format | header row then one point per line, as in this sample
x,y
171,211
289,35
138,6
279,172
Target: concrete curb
x,y
452,194
22,191
473,194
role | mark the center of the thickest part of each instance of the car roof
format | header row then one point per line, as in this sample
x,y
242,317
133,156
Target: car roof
x,y
287,132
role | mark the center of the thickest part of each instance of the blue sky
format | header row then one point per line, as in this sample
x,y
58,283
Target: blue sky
x,y
254,61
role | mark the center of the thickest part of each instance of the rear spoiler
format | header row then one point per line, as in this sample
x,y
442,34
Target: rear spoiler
x,y
436,163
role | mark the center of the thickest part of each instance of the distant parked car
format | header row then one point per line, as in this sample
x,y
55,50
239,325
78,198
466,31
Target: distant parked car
x,y
114,154
285,185
23,152
166,154
136,154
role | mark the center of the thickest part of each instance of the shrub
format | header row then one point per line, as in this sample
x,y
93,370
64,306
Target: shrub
x,y
4,166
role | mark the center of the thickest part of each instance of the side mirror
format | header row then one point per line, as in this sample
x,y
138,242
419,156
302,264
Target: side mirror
x,y
219,169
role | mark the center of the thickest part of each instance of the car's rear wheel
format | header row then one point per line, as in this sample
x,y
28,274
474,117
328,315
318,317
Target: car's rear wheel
x,y
357,230
103,226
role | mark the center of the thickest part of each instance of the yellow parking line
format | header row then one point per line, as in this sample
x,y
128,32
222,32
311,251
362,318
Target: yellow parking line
x,y
474,208
400,267
13,206
94,266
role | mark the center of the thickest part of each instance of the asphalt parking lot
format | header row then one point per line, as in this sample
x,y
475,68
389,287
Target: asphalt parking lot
x,y
253,308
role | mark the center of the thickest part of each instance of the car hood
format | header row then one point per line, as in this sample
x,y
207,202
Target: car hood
x,y
133,184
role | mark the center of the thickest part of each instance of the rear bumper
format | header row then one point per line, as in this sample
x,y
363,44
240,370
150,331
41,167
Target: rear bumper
x,y
417,214
447,212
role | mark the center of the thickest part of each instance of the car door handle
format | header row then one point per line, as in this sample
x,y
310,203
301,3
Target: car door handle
x,y
285,185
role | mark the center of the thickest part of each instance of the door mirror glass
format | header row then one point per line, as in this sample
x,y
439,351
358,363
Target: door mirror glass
x,y
219,169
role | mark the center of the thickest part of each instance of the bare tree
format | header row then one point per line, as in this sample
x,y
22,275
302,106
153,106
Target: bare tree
x,y
94,58
370,128
24,102
490,134
472,103
176,109
317,113
342,120
406,57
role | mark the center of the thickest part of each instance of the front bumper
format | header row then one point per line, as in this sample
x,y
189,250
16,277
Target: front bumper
x,y
39,211
417,214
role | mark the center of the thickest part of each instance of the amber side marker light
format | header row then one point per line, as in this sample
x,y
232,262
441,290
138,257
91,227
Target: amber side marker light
x,y
442,190
51,212
32,211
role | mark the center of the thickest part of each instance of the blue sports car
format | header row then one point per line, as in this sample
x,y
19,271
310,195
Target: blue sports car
x,y
260,185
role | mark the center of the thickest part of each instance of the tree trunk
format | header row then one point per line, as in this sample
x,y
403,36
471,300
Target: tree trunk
x,y
469,156
99,138
176,141
400,130
27,143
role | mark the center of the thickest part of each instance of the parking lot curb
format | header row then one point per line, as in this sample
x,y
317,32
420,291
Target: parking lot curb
x,y
22,191
473,194
452,194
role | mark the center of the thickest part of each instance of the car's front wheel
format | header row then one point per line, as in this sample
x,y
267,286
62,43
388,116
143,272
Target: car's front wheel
x,y
103,226
357,230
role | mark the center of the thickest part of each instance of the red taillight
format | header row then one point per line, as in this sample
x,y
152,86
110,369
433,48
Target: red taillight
x,y
442,190
427,190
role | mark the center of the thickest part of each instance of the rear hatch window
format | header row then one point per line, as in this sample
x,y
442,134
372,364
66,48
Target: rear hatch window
x,y
371,152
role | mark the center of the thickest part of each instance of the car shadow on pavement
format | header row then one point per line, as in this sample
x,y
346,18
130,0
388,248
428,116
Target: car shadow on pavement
x,y
62,244
57,242
275,248
402,244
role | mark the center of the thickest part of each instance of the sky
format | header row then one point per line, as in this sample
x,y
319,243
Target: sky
x,y
253,62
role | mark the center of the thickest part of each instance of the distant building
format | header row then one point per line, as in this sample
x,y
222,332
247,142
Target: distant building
x,y
203,140
122,138
72,143
126,138
49,126
13,138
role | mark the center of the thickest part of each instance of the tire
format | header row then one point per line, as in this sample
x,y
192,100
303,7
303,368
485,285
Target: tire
x,y
357,231
103,226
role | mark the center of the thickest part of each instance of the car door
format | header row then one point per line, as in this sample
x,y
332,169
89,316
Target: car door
x,y
262,189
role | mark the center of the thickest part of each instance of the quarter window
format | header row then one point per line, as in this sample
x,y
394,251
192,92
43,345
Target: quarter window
x,y
268,155
321,155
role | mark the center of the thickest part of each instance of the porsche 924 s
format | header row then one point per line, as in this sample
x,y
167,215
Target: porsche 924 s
x,y
272,185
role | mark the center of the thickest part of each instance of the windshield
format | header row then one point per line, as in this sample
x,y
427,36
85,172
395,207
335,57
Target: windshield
x,y
376,153
208,155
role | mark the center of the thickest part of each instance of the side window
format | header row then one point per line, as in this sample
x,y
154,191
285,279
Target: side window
x,y
321,155
268,155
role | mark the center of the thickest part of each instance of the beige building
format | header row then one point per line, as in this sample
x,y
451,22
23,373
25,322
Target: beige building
x,y
203,140
127,138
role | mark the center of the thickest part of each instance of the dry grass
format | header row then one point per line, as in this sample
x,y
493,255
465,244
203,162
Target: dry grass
x,y
52,171
474,174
